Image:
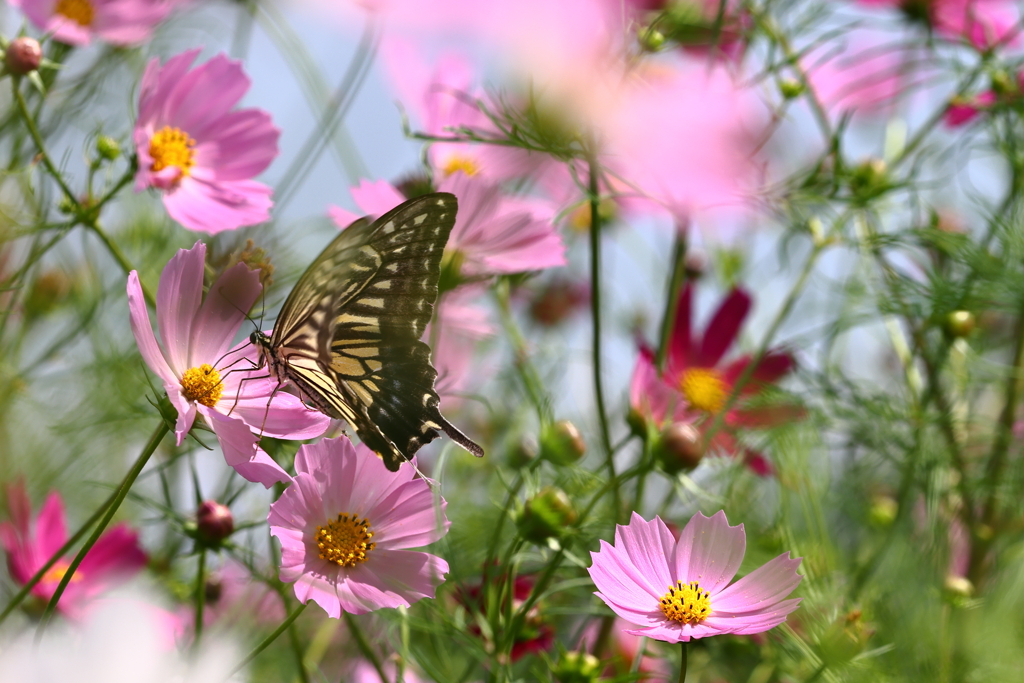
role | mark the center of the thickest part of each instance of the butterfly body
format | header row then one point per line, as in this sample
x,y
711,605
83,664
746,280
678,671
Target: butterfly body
x,y
348,336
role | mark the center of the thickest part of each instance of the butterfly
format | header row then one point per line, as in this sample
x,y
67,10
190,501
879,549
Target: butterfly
x,y
348,335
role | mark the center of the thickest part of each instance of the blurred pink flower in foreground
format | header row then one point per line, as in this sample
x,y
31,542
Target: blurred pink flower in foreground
x,y
678,589
202,376
199,152
493,233
984,23
862,77
697,384
115,557
118,22
340,499
364,672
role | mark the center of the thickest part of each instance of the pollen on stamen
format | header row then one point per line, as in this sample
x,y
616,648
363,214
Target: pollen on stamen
x,y
686,603
704,389
345,541
79,11
172,147
202,385
459,163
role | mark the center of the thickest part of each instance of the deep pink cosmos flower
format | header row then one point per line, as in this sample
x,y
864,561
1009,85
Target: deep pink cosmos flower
x,y
118,22
344,525
679,589
984,23
696,383
115,557
199,152
493,233
201,372
962,111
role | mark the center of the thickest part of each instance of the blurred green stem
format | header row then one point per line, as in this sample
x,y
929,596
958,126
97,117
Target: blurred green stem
x,y
521,358
676,282
364,646
122,492
266,642
33,131
300,658
682,662
200,596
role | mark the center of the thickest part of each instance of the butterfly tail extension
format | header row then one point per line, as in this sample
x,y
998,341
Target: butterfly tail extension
x,y
458,437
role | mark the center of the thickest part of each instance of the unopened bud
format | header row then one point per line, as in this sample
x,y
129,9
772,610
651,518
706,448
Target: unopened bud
x,y
958,587
883,511
23,55
696,264
679,447
577,667
107,147
959,323
650,39
213,589
214,522
523,452
562,443
546,515
869,178
791,88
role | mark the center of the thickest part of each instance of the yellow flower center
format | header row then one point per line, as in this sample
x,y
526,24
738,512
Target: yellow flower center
x,y
57,572
464,164
345,541
172,147
686,603
78,11
202,385
704,389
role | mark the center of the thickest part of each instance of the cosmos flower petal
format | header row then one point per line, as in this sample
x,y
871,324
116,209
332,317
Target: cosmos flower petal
x,y
51,530
186,410
241,451
284,417
375,198
671,632
115,555
681,352
138,315
619,582
213,206
724,327
648,544
223,312
177,302
763,587
709,551
410,576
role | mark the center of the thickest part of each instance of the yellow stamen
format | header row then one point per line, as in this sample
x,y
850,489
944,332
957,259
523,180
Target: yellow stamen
x,y
172,147
686,603
704,389
345,541
57,572
464,164
78,11
202,385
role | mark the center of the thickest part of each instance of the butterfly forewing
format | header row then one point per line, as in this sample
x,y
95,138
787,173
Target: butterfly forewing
x,y
348,334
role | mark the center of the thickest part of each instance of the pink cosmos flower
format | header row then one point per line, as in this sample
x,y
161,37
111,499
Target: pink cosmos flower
x,y
696,383
963,111
115,557
984,23
493,233
340,499
679,589
364,672
866,77
204,375
199,152
118,22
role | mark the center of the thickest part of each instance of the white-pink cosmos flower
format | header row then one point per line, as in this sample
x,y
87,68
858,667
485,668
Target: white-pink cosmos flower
x,y
197,149
204,376
679,589
118,22
344,525
493,233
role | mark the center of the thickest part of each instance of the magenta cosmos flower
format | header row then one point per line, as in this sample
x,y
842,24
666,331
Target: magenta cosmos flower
x,y
204,375
199,152
118,22
344,525
679,589
697,383
494,233
984,23
115,557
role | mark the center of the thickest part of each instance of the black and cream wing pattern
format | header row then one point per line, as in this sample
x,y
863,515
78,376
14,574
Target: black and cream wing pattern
x,y
348,335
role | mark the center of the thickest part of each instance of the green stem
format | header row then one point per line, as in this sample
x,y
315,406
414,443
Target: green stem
x,y
300,659
595,310
682,662
524,368
266,642
200,596
364,646
33,131
37,577
122,492
675,285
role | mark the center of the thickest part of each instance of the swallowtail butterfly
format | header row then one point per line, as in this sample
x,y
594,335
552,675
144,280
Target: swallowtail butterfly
x,y
348,335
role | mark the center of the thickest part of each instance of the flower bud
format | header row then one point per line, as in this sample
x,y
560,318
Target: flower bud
x,y
557,301
48,292
213,589
791,88
214,522
546,515
523,452
959,324
650,39
695,265
23,55
562,444
577,667
958,587
107,147
883,511
869,179
845,639
679,448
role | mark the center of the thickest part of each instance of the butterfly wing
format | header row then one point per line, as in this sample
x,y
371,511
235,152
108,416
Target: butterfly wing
x,y
382,368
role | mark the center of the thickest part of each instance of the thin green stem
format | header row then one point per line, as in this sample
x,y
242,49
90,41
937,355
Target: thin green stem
x,y
266,642
111,510
33,131
364,646
300,658
521,359
682,662
200,596
676,281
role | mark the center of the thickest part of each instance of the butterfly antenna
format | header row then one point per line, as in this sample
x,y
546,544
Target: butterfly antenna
x,y
458,437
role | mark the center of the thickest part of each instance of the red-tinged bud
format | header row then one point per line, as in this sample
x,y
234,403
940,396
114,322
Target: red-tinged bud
x,y
546,515
214,522
562,443
679,448
23,56
959,323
